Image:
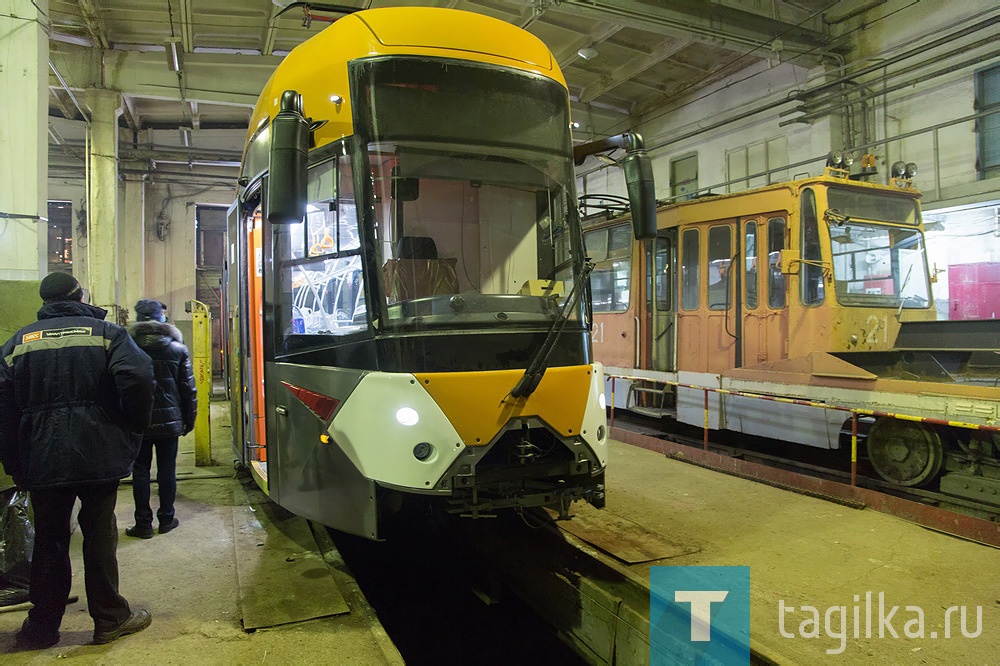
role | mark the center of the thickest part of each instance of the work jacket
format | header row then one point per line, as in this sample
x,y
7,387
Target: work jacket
x,y
75,395
175,401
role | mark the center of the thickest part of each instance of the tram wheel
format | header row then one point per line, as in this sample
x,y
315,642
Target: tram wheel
x,y
904,452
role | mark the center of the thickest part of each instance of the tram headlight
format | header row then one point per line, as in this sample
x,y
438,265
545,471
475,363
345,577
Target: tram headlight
x,y
911,169
898,169
407,416
835,159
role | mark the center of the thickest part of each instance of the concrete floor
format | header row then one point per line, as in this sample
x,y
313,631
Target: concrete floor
x,y
188,581
807,551
801,550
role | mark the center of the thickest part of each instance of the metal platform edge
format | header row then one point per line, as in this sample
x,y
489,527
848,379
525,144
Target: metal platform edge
x,y
355,597
966,527
597,605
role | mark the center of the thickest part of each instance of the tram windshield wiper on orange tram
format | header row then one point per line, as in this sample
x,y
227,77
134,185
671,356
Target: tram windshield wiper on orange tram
x,y
528,382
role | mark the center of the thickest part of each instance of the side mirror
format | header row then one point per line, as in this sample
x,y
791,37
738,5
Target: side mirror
x,y
641,193
287,178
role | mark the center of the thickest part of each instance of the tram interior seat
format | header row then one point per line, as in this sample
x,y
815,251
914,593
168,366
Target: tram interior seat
x,y
417,272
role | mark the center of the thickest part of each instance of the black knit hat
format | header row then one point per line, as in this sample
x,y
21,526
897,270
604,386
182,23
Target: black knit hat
x,y
60,287
149,311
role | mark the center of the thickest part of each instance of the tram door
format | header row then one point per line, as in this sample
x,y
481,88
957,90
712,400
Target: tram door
x,y
253,382
232,298
661,313
765,312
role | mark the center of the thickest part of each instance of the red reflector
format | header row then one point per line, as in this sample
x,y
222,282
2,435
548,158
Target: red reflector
x,y
321,405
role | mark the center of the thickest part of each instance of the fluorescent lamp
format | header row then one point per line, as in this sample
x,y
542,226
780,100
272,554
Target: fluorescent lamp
x,y
185,136
175,56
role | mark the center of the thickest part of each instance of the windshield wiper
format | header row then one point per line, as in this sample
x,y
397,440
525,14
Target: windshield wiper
x,y
528,382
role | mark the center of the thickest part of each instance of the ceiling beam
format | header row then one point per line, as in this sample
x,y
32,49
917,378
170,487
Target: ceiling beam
x,y
632,68
569,54
67,109
95,26
270,32
128,113
697,20
165,153
218,78
187,26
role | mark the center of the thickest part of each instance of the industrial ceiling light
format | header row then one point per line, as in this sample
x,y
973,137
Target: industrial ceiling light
x,y
587,52
175,56
185,136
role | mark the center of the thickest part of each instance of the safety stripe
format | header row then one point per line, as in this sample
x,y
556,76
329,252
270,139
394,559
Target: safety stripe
x,y
57,343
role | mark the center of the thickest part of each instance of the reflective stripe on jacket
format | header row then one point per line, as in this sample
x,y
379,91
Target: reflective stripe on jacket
x,y
75,394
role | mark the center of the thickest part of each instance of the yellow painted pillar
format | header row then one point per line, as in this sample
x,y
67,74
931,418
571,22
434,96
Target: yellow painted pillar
x,y
132,244
24,82
102,205
201,359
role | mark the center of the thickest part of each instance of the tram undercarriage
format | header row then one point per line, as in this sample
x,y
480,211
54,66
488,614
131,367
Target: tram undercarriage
x,y
923,413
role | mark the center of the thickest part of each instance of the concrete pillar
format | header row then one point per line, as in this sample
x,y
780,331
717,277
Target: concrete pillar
x,y
102,207
24,157
132,246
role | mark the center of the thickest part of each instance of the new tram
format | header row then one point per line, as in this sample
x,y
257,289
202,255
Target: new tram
x,y
815,290
406,276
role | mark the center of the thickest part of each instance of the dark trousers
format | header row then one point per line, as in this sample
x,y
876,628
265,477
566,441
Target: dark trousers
x,y
51,574
166,480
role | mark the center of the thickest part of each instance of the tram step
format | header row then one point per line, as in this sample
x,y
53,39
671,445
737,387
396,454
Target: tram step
x,y
653,411
651,390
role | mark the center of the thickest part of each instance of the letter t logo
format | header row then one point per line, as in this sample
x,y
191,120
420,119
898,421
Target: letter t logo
x,y
701,610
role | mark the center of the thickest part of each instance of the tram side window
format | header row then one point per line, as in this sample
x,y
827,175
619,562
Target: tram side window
x,y
720,248
750,261
689,269
811,272
322,286
663,269
775,278
611,251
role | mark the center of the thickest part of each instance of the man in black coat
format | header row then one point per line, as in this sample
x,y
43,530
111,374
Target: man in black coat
x,y
175,405
75,395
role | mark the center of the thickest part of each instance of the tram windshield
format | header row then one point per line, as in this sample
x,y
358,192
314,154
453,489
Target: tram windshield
x,y
877,265
471,167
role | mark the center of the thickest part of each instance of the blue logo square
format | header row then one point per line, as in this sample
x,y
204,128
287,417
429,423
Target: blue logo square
x,y
699,615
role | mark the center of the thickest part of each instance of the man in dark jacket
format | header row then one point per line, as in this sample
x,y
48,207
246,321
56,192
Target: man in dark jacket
x,y
75,395
175,405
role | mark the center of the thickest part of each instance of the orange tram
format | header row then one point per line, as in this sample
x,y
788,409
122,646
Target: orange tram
x,y
816,291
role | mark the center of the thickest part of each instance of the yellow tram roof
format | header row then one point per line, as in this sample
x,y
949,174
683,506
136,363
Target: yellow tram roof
x,y
317,68
778,196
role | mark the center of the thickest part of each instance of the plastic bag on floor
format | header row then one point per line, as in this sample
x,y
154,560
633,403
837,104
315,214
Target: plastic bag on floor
x,y
17,538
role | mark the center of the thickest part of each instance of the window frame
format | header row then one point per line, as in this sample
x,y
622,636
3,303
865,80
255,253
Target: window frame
x,y
690,284
981,105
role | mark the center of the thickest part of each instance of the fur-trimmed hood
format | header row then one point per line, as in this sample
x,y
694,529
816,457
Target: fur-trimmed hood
x,y
154,334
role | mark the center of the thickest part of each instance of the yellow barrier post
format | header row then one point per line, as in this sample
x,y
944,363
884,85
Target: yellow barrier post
x,y
854,448
201,360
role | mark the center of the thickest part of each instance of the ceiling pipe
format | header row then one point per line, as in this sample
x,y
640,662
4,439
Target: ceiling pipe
x,y
830,97
906,54
801,96
825,108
